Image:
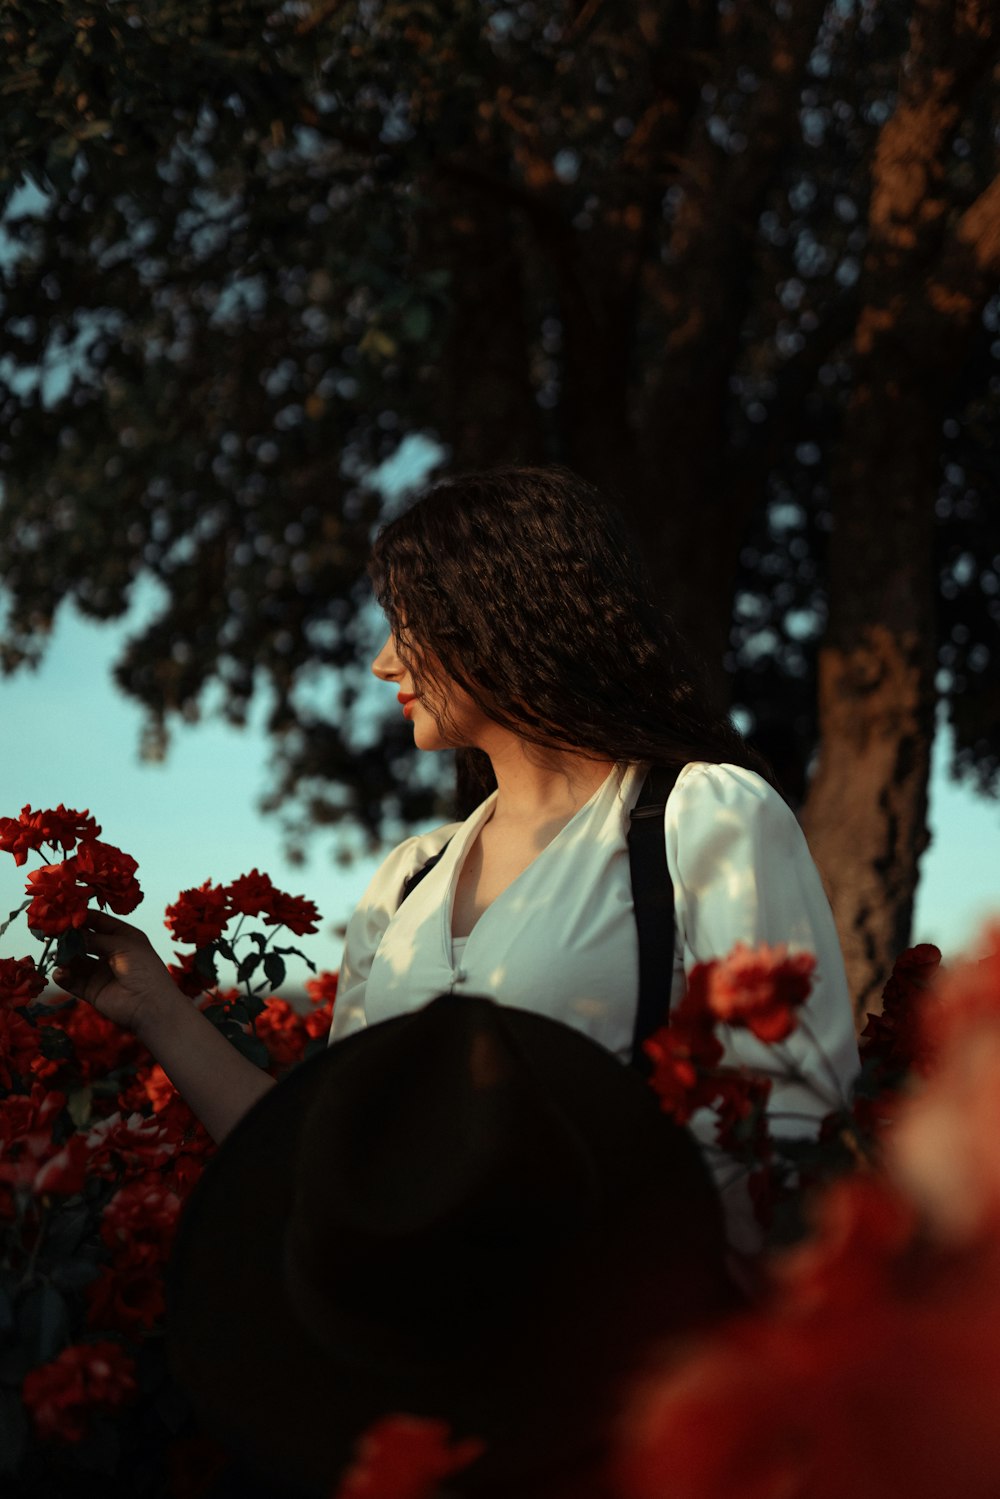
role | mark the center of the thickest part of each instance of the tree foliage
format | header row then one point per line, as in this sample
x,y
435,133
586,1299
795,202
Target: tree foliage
x,y
268,243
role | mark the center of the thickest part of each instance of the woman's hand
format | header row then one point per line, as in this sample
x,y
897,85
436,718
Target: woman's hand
x,y
125,979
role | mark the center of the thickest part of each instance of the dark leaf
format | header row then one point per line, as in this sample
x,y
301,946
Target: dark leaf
x,y
43,1323
274,967
14,915
204,963
249,965
13,1430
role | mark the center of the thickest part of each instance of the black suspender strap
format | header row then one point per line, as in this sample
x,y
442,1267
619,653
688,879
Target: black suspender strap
x,y
653,900
410,884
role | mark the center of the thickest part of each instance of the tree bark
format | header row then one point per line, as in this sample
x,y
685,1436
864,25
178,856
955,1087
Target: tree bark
x,y
927,276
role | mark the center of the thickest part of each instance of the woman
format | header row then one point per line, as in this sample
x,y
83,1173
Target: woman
x,y
525,634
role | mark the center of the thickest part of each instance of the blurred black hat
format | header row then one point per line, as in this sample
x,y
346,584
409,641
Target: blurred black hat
x,y
470,1212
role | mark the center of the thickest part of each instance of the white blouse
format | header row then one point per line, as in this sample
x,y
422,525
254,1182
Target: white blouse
x,y
561,939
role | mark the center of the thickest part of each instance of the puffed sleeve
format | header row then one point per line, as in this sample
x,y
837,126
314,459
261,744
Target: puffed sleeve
x,y
365,929
742,872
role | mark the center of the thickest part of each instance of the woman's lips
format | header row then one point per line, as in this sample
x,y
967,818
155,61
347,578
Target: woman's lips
x,y
406,698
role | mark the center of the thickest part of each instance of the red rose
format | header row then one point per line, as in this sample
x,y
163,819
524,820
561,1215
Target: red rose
x,y
131,1144
99,1046
27,833
58,901
66,1172
295,912
282,1031
742,1121
683,1054
26,1125
19,838
405,1457
18,1046
186,976
83,1378
322,992
126,1297
20,981
760,989
110,874
894,1035
150,1087
143,1211
252,893
200,916
63,826
322,989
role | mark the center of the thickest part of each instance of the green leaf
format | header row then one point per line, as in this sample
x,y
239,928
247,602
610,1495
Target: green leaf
x,y
14,915
79,1106
295,953
43,1323
274,967
13,1431
249,965
75,1274
204,963
65,1228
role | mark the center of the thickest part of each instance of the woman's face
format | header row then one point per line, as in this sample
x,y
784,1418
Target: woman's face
x,y
463,721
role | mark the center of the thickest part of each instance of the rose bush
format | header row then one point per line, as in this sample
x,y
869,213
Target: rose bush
x,y
821,1388
97,1155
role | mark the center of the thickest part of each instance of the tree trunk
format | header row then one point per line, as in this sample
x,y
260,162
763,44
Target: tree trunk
x,y
927,276
866,811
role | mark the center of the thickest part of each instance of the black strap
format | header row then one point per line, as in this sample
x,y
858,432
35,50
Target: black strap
x,y
653,900
412,881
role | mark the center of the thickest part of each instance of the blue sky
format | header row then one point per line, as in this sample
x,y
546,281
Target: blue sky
x,y
68,735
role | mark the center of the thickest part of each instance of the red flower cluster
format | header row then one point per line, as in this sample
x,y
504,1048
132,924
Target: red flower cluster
x,y
405,1457
18,1046
83,1378
20,981
97,1047
26,1124
896,1036
200,916
62,892
873,1370
760,988
61,828
684,1054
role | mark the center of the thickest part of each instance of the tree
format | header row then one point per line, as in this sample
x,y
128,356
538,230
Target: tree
x,y
736,260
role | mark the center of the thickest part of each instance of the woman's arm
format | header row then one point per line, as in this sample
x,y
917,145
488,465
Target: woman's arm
x,y
125,980
742,872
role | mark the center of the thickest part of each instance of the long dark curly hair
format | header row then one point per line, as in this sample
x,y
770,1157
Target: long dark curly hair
x,y
527,587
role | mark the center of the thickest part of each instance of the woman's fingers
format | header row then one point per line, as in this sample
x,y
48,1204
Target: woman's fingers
x,y
101,921
106,934
84,978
